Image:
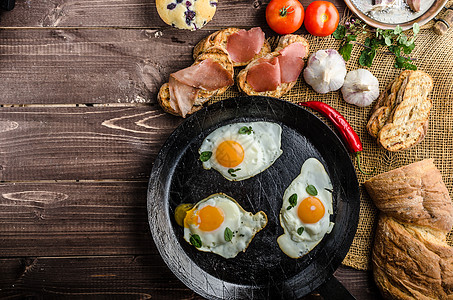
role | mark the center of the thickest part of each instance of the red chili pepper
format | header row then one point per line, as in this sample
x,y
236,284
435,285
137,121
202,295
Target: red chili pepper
x,y
347,133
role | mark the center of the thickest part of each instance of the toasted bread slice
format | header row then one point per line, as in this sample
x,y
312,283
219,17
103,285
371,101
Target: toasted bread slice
x,y
282,89
408,122
385,104
217,54
219,39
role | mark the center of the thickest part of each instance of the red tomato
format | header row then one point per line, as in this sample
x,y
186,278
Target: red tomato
x,y
321,18
284,16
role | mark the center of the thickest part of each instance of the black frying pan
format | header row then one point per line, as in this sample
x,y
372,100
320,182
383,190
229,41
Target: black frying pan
x,y
263,271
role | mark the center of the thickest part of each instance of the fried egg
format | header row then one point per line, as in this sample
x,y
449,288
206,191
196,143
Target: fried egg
x,y
306,210
220,225
241,150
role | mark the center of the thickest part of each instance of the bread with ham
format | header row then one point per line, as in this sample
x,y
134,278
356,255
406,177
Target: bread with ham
x,y
188,89
242,45
274,74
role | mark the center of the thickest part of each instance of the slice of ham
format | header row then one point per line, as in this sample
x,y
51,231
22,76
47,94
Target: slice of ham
x,y
291,61
207,75
182,96
268,74
264,76
243,45
414,5
184,85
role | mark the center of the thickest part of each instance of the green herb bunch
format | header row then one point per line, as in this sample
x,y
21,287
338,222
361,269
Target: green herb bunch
x,y
396,41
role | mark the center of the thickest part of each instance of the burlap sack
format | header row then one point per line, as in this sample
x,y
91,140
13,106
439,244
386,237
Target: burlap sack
x,y
434,55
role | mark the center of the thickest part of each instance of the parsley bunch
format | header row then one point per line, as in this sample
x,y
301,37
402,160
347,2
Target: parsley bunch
x,y
396,41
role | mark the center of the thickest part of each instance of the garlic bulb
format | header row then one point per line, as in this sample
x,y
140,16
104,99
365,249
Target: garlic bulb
x,y
325,71
360,88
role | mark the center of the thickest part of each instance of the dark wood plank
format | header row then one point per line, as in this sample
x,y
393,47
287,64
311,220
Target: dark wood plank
x,y
78,143
90,66
126,13
122,277
117,277
85,218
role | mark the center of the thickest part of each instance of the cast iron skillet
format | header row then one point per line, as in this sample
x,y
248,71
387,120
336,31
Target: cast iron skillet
x,y
263,271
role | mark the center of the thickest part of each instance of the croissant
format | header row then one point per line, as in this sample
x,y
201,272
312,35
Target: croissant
x,y
411,258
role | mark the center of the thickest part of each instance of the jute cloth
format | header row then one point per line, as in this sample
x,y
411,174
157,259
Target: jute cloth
x,y
434,55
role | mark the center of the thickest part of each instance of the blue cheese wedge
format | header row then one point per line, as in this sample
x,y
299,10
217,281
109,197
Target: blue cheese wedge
x,y
186,14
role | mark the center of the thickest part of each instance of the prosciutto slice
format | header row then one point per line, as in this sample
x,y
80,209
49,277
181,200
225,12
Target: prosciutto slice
x,y
243,45
207,75
269,73
185,84
265,76
414,5
291,61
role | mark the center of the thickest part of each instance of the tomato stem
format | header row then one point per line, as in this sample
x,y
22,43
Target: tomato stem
x,y
285,11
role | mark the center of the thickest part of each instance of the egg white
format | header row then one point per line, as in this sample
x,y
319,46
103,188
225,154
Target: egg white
x,y
261,148
243,224
291,243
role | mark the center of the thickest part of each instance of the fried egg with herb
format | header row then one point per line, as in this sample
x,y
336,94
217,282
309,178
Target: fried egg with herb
x,y
241,150
306,210
219,224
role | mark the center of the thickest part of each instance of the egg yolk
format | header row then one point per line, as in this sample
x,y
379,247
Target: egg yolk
x,y
229,154
208,218
310,210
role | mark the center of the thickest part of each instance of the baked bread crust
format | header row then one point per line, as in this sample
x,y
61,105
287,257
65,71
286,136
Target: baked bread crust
x,y
219,39
282,89
400,117
410,262
218,55
410,257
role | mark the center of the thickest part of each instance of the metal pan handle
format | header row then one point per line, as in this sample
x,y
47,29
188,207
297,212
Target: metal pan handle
x,y
332,289
7,4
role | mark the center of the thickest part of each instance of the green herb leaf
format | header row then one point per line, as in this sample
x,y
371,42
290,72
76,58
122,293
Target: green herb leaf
x,y
245,130
408,49
366,57
300,230
231,172
388,41
311,190
195,240
339,33
289,207
228,234
205,156
398,30
350,38
293,200
410,66
345,51
416,28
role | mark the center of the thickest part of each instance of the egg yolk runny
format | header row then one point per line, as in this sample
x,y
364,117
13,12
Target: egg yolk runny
x,y
310,210
229,154
208,218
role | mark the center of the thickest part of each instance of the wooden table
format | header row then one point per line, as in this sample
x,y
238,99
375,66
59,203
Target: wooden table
x,y
79,131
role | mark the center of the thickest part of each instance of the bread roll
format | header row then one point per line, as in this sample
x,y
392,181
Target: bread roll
x,y
410,257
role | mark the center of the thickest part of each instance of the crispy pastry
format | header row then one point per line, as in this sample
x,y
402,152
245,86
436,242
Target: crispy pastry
x,y
399,120
410,257
282,68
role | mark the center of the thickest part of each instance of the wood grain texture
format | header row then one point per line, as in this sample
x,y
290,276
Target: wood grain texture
x,y
127,13
80,143
90,66
84,218
122,277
